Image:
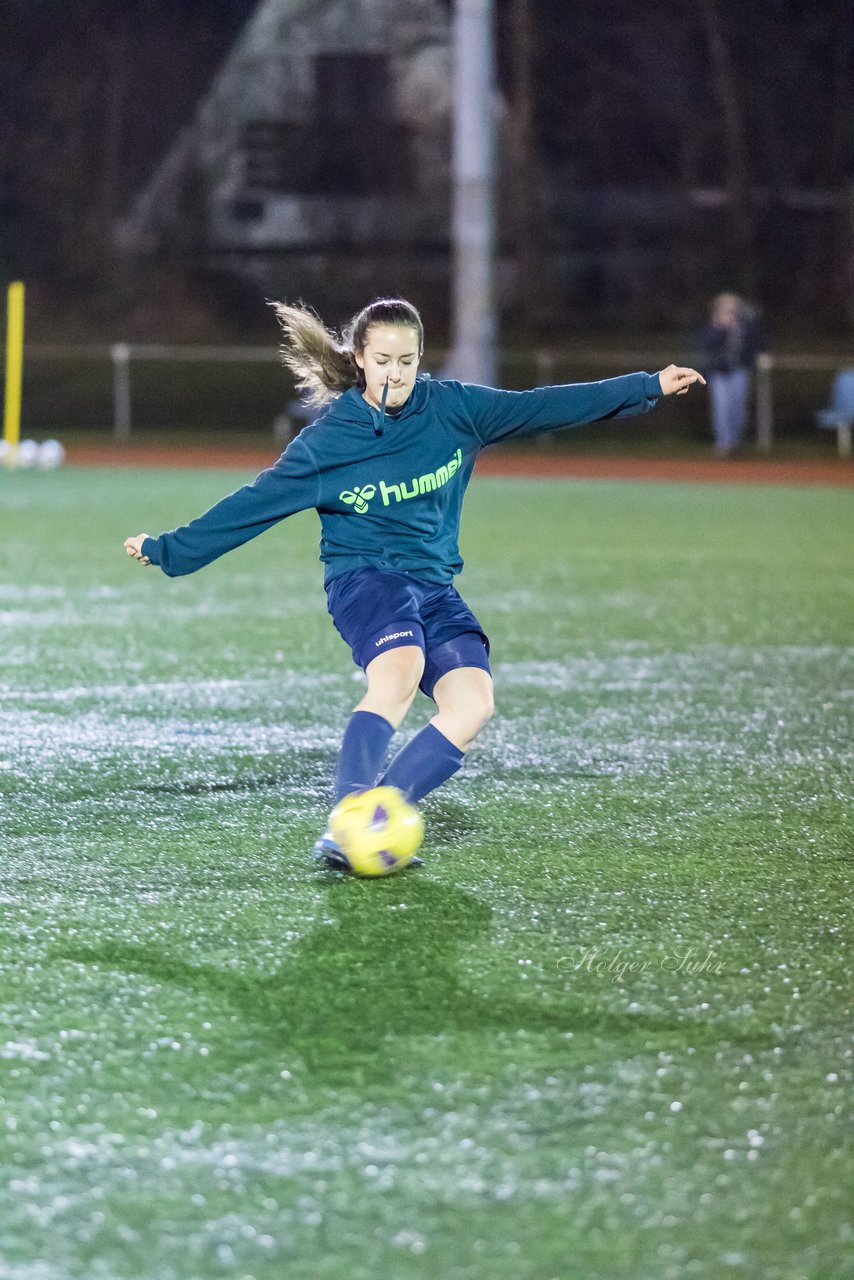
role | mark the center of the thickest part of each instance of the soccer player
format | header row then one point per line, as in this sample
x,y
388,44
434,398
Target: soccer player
x,y
386,464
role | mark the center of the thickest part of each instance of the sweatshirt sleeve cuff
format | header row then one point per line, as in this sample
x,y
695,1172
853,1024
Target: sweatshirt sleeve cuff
x,y
653,387
149,548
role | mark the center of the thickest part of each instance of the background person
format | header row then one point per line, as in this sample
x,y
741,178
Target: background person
x,y
730,343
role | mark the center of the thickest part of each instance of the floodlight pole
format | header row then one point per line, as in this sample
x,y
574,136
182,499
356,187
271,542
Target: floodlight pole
x,y
474,323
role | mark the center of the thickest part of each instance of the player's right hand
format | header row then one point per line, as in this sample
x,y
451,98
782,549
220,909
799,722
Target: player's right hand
x,y
133,546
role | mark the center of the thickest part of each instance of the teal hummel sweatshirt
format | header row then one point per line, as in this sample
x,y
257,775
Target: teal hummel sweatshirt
x,y
389,489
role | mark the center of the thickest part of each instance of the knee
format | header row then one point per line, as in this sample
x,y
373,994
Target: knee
x,y
483,708
480,702
402,677
469,709
395,675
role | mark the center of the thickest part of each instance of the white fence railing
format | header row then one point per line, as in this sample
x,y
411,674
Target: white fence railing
x,y
546,362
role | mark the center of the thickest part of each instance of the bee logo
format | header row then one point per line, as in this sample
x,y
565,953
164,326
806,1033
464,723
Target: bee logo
x,y
360,497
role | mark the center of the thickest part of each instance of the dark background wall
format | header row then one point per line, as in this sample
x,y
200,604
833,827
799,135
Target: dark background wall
x,y
662,151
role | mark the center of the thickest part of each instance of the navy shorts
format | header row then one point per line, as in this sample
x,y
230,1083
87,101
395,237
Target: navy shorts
x,y
379,609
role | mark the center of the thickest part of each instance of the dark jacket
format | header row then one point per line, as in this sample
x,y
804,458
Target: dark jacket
x,y
724,348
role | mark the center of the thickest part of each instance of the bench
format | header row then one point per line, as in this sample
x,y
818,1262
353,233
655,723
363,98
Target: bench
x,y
839,415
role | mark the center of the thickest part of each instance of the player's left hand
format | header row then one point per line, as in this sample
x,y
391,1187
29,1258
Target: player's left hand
x,y
675,380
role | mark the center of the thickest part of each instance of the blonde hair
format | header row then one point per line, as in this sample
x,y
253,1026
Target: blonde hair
x,y
323,363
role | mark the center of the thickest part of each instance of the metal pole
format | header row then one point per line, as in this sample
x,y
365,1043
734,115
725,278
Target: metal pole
x,y
14,367
120,352
474,324
764,402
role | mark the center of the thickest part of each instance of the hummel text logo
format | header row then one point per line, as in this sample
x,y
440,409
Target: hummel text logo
x,y
359,497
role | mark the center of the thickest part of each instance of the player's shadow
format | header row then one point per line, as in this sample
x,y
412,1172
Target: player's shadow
x,y
449,821
386,962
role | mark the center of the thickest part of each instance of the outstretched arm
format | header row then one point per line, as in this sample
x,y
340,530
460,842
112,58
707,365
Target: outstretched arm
x,y
501,415
291,485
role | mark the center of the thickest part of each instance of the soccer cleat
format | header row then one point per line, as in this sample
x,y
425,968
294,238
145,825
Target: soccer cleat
x,y
330,854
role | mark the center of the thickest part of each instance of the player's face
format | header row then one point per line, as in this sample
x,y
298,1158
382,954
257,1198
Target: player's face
x,y
390,355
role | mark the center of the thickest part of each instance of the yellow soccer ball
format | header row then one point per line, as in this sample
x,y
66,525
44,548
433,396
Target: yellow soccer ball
x,y
378,830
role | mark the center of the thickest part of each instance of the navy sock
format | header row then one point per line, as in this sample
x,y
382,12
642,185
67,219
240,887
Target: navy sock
x,y
363,749
426,761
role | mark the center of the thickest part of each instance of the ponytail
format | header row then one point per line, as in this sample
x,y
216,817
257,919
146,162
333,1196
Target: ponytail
x,y
322,366
325,365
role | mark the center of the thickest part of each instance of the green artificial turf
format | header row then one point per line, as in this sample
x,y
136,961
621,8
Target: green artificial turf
x,y
604,1034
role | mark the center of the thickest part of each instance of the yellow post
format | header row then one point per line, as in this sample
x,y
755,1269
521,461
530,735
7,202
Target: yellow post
x,y
14,365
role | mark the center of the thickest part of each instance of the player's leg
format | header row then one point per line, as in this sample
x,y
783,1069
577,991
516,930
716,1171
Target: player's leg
x,y
466,703
458,679
393,679
439,623
377,613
